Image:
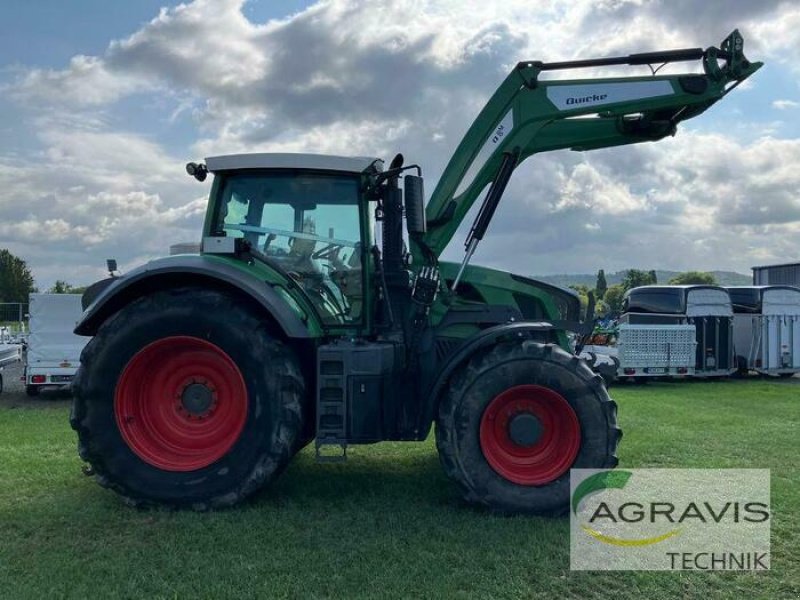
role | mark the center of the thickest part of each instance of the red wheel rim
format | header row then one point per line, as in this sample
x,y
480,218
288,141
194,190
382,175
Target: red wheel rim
x,y
543,460
180,404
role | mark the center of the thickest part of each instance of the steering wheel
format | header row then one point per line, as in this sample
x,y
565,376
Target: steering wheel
x,y
327,252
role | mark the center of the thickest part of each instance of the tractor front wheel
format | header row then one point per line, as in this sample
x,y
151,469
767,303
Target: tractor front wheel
x,y
516,419
186,398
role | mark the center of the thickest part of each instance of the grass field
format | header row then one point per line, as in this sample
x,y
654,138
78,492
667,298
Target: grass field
x,y
387,524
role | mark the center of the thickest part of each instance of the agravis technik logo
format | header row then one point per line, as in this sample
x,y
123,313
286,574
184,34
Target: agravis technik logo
x,y
705,519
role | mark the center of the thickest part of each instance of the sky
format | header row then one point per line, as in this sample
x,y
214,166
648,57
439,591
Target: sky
x,y
102,104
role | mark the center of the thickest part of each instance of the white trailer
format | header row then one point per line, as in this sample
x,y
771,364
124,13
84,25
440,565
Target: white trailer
x,y
646,351
53,349
766,329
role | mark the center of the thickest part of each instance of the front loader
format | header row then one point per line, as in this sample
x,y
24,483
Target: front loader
x,y
208,372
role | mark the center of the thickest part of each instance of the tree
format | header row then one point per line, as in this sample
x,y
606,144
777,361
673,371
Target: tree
x,y
691,277
583,295
613,298
62,287
601,285
16,281
635,278
583,290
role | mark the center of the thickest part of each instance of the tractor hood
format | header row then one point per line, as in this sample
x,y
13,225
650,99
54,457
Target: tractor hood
x,y
536,300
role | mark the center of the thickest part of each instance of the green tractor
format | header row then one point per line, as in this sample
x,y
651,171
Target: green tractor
x,y
208,372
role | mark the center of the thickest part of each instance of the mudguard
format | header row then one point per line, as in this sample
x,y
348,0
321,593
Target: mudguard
x,y
186,270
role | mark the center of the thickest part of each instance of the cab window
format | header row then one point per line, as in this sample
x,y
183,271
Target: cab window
x,y
308,224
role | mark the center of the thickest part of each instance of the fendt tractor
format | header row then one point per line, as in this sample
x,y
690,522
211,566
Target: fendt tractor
x,y
208,372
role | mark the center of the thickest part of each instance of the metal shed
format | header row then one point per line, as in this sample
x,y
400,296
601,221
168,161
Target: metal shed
x,y
783,274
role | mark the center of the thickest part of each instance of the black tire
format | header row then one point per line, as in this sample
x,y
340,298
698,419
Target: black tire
x,y
32,390
274,387
608,371
786,375
487,375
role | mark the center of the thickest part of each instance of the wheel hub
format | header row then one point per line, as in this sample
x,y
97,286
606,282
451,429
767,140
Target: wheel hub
x,y
197,399
530,435
181,403
524,429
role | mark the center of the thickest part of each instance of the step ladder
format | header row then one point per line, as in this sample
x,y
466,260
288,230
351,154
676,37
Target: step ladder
x,y
331,441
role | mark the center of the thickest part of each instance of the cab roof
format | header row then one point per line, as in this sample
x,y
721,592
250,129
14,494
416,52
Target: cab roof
x,y
319,162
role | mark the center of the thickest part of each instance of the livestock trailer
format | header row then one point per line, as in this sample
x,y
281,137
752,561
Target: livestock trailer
x,y
766,329
707,307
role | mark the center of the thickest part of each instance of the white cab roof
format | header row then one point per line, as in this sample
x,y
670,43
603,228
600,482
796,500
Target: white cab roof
x,y
324,162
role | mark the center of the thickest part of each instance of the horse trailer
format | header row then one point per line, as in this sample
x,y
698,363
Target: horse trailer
x,y
706,307
766,329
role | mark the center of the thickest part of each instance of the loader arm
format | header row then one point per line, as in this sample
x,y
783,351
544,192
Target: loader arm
x,y
526,116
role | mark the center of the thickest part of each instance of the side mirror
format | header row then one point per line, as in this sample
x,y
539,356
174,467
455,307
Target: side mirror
x,y
414,197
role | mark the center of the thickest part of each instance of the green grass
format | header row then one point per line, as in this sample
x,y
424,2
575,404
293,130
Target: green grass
x,y
386,524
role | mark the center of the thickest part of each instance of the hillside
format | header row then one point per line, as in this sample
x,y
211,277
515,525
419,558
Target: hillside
x,y
566,280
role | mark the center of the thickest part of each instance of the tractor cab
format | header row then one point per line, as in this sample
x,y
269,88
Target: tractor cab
x,y
303,214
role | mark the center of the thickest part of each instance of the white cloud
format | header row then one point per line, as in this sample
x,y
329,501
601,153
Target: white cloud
x,y
86,82
586,188
343,77
785,104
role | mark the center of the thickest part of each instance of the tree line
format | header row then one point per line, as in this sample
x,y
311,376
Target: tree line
x,y
608,298
16,280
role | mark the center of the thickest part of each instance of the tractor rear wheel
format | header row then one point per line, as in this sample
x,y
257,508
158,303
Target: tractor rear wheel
x,y
516,419
185,398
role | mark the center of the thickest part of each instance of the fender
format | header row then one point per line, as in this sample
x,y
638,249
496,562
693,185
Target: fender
x,y
185,270
484,339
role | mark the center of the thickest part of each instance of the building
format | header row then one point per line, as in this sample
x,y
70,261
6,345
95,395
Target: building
x,y
785,274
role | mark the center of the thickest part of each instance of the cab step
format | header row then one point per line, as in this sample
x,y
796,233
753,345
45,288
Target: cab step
x,y
331,441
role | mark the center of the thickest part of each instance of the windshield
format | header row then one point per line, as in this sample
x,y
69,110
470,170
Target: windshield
x,y
657,301
745,300
308,224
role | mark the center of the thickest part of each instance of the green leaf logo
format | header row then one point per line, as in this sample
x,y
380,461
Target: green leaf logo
x,y
597,483
611,480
